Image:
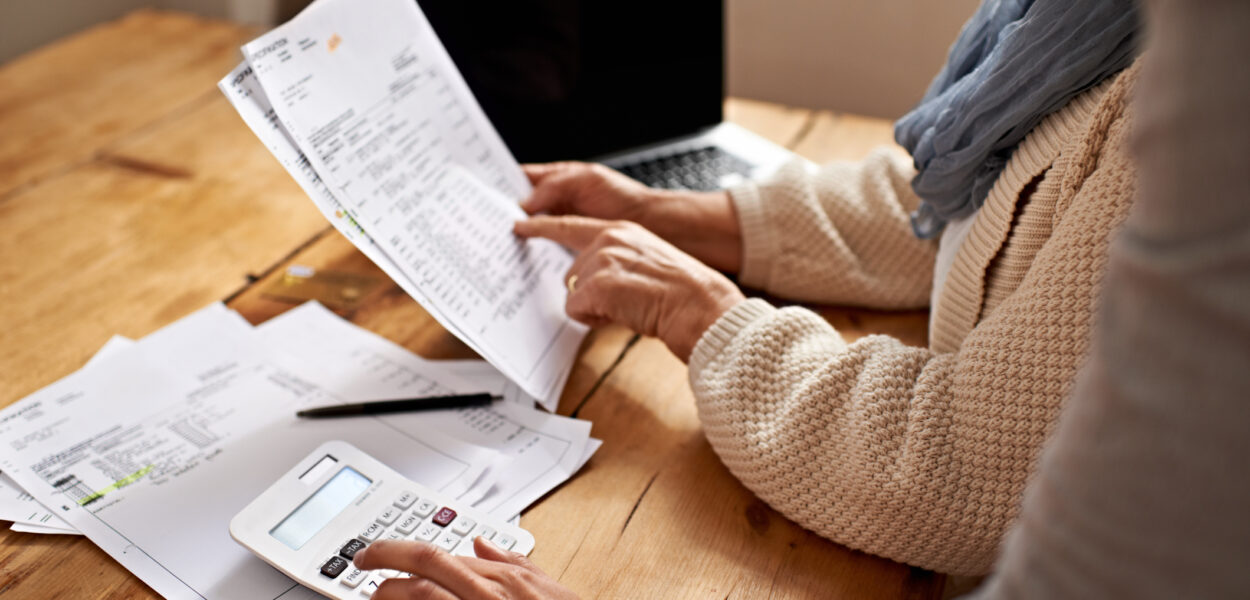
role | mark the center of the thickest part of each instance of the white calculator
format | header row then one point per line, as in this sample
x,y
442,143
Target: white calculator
x,y
312,521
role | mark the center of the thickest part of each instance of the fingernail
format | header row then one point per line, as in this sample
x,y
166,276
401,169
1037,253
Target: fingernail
x,y
359,554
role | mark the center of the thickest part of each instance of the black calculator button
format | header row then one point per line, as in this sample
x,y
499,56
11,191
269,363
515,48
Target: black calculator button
x,y
334,566
350,549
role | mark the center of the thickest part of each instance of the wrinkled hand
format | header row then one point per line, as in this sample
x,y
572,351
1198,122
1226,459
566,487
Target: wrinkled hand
x,y
628,275
587,189
495,574
703,224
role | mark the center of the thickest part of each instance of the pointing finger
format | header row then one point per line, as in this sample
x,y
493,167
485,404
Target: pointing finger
x,y
487,550
573,232
423,560
536,172
548,196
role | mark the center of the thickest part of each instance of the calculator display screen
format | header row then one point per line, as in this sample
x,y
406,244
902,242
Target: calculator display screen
x,y
319,509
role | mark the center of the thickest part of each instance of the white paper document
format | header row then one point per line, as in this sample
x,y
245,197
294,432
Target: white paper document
x,y
249,99
366,92
42,529
151,463
155,445
27,513
538,450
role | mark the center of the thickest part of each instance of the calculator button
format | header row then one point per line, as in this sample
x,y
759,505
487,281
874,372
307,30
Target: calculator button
x,y
483,531
462,525
387,573
371,532
405,500
444,516
409,523
334,566
388,516
428,531
354,577
424,508
350,549
368,589
504,541
395,536
447,541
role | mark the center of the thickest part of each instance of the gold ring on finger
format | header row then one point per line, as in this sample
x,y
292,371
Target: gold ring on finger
x,y
572,283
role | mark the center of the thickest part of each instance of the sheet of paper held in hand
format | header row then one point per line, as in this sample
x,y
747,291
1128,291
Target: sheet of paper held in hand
x,y
249,99
368,94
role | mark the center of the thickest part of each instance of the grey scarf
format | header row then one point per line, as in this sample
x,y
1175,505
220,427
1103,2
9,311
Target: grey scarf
x,y
1015,62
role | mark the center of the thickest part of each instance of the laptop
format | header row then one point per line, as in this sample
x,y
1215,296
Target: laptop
x,y
636,85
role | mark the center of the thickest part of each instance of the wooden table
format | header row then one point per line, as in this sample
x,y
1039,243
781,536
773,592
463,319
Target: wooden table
x,y
132,195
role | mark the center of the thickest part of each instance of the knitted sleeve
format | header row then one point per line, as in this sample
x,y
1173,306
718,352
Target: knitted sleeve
x,y
841,235
885,448
899,451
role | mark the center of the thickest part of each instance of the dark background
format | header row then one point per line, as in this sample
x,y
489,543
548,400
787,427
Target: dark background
x,y
564,79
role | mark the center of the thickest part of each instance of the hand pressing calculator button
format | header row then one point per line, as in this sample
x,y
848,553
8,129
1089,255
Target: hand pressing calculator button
x,y
313,521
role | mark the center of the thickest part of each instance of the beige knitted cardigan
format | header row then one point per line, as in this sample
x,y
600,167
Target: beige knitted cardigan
x,y
918,455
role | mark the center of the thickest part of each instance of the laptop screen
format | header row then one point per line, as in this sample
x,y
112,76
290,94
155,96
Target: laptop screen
x,y
573,79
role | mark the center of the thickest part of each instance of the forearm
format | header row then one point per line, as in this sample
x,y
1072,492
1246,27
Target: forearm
x,y
837,236
702,224
866,444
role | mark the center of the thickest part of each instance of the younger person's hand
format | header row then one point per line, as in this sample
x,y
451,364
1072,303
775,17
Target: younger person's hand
x,y
495,574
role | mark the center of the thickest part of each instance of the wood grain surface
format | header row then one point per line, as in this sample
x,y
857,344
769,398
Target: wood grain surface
x,y
132,195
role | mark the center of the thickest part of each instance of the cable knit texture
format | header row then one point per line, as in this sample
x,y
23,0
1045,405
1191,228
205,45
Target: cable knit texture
x,y
917,454
841,236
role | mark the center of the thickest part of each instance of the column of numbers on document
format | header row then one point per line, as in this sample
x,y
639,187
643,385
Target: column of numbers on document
x,y
391,374
171,441
482,420
403,143
455,238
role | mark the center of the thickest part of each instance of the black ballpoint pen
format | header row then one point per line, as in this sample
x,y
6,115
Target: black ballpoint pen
x,y
402,405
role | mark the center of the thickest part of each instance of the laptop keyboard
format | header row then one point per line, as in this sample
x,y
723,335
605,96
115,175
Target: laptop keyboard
x,y
701,169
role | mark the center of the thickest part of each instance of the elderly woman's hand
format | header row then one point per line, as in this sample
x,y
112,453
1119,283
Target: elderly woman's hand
x,y
703,224
495,574
626,274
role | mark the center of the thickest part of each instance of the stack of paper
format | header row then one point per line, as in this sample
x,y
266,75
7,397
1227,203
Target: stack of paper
x,y
151,448
360,102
